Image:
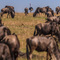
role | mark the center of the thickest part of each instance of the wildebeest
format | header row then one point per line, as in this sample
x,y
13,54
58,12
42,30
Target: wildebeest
x,y
9,11
31,9
14,43
5,52
57,9
38,10
9,7
42,10
26,11
4,31
54,19
40,44
47,28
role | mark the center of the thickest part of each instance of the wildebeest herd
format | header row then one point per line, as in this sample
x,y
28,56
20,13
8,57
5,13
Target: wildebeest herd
x,y
43,38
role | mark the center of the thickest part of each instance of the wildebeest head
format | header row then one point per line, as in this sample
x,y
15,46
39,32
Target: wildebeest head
x,y
36,11
12,14
4,31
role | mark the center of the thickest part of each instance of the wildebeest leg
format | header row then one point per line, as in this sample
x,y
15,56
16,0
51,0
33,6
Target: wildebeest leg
x,y
39,14
30,53
7,15
27,52
57,12
13,57
50,56
47,56
51,52
2,14
39,33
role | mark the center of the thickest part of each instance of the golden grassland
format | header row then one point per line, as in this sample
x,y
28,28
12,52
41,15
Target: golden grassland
x,y
24,27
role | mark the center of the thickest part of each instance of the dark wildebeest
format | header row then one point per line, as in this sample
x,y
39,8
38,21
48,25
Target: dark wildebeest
x,y
4,31
54,19
38,10
47,28
5,52
26,11
40,44
14,43
42,10
31,9
57,9
9,7
9,11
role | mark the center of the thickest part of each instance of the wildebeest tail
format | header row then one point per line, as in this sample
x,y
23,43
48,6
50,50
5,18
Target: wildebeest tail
x,y
27,51
35,32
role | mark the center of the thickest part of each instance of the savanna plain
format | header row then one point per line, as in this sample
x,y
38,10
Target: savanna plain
x,y
24,27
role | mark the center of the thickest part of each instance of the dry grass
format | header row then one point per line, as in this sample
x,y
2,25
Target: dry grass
x,y
23,26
